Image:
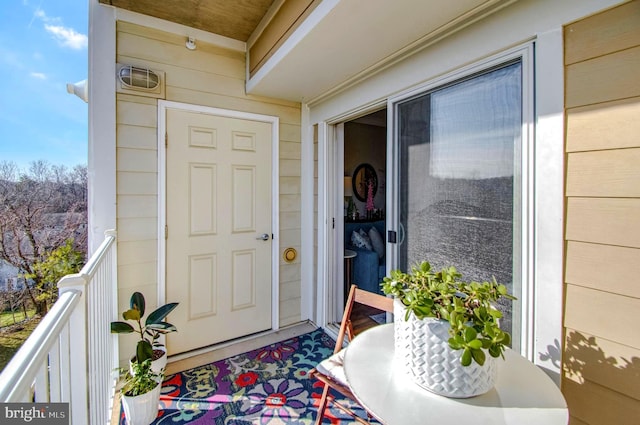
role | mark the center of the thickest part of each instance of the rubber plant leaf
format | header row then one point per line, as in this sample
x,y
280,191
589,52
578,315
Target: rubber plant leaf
x,y
162,327
133,314
159,314
144,351
137,302
121,328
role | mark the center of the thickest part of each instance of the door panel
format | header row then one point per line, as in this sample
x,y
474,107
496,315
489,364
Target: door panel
x,y
218,205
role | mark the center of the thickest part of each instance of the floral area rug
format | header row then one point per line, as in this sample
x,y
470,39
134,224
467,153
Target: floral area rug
x,y
267,386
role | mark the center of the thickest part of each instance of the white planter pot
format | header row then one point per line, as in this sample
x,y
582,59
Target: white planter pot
x,y
142,409
422,351
157,365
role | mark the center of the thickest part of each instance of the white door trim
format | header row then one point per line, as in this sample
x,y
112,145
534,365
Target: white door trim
x,y
163,106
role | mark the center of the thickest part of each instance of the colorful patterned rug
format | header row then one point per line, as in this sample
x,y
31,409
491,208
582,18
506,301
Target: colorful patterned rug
x,y
267,386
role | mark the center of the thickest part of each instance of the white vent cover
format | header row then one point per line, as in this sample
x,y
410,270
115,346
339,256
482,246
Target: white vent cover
x,y
140,81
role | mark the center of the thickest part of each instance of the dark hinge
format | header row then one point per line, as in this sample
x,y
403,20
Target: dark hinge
x,y
166,140
333,223
391,236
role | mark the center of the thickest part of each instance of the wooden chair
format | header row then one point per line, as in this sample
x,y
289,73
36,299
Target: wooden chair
x,y
330,371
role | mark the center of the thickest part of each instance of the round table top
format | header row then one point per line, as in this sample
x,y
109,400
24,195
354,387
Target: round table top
x,y
348,253
523,393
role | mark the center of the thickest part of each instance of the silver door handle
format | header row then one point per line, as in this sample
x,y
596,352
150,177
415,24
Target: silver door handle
x,y
263,237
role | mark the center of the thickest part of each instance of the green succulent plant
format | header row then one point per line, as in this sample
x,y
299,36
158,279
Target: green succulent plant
x,y
467,306
153,327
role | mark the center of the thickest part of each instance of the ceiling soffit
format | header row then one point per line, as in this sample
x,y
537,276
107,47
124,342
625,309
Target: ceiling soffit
x,y
235,19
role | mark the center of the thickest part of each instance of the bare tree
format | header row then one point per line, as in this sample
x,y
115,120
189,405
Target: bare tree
x,y
40,209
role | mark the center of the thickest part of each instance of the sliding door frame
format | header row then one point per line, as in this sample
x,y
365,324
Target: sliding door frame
x,y
525,325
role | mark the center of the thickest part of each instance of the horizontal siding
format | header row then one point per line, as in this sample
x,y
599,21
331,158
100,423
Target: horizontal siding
x,y
137,160
602,362
596,405
136,114
136,206
148,51
176,39
290,167
608,125
137,137
603,79
603,314
603,267
290,185
604,33
290,220
136,183
287,114
137,252
209,76
610,173
609,221
601,371
137,229
140,273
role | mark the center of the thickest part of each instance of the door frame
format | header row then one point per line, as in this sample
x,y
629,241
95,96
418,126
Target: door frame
x,y
163,107
330,296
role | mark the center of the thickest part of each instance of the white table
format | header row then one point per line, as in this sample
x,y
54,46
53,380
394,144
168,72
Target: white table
x,y
523,393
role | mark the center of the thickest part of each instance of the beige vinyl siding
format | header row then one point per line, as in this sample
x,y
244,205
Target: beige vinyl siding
x,y
209,76
601,354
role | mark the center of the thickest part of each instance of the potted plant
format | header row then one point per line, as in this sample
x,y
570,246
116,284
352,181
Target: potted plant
x,y
149,346
442,321
141,393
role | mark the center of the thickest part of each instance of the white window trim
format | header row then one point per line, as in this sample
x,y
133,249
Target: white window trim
x,y
163,106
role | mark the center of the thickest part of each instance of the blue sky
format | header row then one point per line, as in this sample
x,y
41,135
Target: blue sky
x,y
43,46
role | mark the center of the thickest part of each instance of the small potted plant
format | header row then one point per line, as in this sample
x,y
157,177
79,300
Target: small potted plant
x,y
149,345
141,393
441,320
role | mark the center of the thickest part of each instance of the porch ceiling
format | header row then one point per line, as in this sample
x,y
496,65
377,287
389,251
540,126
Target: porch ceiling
x,y
235,19
341,41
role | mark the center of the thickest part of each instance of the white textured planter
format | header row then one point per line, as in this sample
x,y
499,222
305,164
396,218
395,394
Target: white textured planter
x,y
422,351
142,409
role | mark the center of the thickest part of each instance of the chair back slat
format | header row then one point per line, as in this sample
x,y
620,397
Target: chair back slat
x,y
374,300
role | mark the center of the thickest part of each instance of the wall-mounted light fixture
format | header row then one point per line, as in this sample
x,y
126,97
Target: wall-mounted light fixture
x,y
191,43
139,81
139,78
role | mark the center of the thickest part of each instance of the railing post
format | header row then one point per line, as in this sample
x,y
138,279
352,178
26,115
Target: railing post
x,y
78,351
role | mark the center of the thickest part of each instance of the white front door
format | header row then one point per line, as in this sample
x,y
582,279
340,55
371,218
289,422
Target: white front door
x,y
218,207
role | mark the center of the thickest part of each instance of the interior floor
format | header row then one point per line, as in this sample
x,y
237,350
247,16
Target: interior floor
x,y
361,317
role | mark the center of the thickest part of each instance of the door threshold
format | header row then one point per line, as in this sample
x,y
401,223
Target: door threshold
x,y
210,354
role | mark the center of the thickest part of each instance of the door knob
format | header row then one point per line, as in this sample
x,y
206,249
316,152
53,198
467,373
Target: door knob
x,y
263,237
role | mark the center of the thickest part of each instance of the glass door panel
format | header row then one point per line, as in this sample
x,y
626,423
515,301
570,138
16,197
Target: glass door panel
x,y
459,155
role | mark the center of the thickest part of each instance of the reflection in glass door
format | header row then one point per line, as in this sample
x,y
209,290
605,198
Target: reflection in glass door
x,y
459,192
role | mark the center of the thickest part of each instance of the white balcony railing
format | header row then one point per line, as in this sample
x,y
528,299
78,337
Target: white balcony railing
x,y
71,354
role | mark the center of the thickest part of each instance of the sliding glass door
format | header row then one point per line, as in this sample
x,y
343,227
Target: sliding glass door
x,y
458,158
